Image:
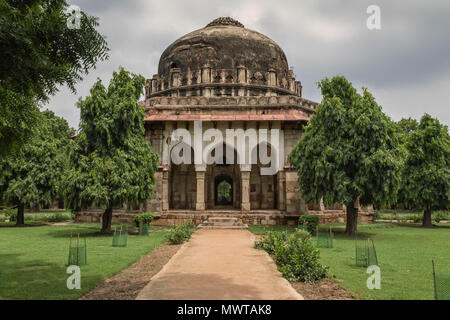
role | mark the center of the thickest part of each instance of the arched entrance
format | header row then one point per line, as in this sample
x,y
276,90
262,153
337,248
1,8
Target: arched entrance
x,y
223,191
228,172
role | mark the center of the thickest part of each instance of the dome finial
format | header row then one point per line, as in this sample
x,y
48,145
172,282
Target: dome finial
x,y
225,21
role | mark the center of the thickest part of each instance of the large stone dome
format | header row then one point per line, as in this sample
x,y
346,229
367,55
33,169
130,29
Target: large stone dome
x,y
224,44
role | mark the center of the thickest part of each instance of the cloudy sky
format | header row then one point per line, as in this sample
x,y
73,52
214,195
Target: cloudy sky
x,y
406,64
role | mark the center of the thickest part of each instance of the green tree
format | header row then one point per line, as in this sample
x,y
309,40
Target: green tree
x,y
32,175
18,116
426,173
405,128
224,191
112,163
38,54
348,152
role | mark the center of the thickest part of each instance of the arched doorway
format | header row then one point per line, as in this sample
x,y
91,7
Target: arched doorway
x,y
223,191
229,172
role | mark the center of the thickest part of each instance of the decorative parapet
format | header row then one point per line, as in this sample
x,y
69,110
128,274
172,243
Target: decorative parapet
x,y
211,82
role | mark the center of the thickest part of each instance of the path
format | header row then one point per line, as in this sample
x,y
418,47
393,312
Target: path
x,y
219,265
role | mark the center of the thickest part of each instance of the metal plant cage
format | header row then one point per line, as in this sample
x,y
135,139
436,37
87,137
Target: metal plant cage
x,y
366,254
78,253
120,238
441,285
143,229
325,239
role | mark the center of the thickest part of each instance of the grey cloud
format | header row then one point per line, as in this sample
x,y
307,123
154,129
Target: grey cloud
x,y
406,64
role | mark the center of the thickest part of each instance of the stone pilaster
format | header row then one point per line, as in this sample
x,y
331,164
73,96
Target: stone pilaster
x,y
165,190
281,180
245,187
200,177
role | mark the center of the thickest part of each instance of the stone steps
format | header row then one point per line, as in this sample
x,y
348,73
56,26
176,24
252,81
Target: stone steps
x,y
223,223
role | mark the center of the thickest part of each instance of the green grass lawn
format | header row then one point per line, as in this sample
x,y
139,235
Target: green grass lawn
x,y
33,259
404,255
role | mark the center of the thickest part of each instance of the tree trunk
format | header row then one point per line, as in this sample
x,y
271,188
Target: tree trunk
x,y
20,219
352,219
107,219
426,222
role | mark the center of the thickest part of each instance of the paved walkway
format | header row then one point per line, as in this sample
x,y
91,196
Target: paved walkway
x,y
218,265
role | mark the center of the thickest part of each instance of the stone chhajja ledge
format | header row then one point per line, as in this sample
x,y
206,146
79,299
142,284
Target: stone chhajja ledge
x,y
283,108
209,102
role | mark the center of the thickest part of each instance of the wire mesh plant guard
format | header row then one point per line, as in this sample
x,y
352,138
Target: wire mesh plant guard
x,y
325,239
120,238
366,254
78,253
441,285
143,229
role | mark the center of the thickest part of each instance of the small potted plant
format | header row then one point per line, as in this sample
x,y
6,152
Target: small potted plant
x,y
142,221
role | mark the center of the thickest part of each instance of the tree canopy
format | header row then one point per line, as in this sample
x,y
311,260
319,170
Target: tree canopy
x,y
38,54
349,151
407,126
32,175
426,173
111,163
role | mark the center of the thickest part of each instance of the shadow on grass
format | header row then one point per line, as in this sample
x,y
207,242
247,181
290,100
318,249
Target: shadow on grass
x,y
38,279
91,232
27,225
95,231
419,226
362,235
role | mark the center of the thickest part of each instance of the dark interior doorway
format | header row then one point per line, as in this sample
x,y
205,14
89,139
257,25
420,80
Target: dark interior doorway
x,y
223,191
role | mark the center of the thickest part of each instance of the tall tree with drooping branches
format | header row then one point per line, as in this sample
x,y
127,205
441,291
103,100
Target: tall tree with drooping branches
x,y
348,152
32,175
426,173
111,163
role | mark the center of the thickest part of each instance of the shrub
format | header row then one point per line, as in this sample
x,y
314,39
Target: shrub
x,y
302,234
310,221
416,218
11,214
55,218
271,240
438,216
146,218
48,217
377,215
181,233
295,255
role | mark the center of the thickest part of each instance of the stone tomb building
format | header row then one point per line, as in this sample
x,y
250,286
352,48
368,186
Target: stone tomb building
x,y
224,77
